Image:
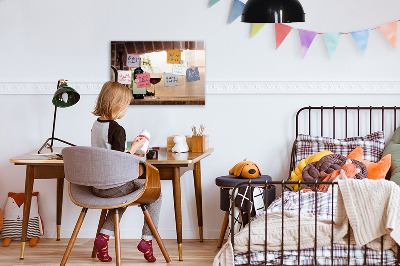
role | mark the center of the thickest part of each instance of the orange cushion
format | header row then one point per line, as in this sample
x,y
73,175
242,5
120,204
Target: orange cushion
x,y
375,170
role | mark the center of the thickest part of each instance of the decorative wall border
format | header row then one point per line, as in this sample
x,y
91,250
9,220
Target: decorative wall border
x,y
233,87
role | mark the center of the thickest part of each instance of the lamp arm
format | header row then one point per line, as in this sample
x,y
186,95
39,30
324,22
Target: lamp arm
x,y
54,118
54,126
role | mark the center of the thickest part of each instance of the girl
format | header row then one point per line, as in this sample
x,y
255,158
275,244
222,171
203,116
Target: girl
x,y
112,103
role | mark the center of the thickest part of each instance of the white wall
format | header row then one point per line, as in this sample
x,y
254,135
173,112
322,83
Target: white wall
x,y
42,41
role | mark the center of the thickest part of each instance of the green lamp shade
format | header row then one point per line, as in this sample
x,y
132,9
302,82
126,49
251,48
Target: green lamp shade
x,y
65,96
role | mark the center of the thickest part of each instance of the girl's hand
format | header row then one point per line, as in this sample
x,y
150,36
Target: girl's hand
x,y
142,155
137,144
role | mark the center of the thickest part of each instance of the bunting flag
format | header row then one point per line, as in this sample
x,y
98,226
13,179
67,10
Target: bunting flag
x,y
237,9
389,30
332,41
281,31
213,2
361,37
256,27
306,39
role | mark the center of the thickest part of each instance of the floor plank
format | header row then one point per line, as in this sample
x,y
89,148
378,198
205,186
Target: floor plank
x,y
49,252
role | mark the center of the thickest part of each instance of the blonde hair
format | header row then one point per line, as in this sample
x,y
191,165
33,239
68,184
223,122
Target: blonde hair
x,y
112,99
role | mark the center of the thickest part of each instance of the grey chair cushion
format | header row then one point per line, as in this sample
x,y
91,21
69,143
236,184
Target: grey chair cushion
x,y
83,196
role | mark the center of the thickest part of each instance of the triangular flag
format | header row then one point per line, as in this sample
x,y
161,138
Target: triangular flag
x,y
390,32
361,37
332,41
306,39
237,9
281,31
213,2
255,28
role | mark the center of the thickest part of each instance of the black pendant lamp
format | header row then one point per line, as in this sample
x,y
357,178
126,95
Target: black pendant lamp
x,y
273,11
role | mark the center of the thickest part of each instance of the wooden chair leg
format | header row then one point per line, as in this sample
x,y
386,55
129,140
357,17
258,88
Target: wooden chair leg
x,y
117,239
73,237
101,222
223,229
154,230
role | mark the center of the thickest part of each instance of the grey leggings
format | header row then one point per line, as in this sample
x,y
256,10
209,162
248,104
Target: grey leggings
x,y
154,208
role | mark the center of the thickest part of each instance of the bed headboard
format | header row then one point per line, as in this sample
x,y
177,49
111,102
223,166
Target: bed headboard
x,y
344,121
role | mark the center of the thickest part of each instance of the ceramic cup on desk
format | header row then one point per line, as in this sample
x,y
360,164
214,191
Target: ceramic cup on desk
x,y
152,155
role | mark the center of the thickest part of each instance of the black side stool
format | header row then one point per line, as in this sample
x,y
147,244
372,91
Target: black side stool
x,y
228,182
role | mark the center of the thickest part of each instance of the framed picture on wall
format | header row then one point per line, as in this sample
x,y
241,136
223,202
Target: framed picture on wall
x,y
160,72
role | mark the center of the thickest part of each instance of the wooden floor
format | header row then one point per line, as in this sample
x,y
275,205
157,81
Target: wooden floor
x,y
50,252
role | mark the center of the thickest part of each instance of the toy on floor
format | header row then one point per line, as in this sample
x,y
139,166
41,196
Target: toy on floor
x,y
13,215
180,144
245,169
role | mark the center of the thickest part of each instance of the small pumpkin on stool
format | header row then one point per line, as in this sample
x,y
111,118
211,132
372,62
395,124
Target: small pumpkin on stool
x,y
245,169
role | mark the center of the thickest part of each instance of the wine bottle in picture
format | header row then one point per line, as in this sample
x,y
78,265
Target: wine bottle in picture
x,y
137,72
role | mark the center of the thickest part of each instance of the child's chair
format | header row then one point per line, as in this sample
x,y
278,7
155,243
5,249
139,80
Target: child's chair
x,y
85,167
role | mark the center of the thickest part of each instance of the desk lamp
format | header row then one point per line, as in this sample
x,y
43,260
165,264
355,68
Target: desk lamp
x,y
64,96
273,11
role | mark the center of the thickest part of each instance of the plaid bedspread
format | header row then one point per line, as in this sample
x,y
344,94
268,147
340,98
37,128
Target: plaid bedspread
x,y
324,257
307,202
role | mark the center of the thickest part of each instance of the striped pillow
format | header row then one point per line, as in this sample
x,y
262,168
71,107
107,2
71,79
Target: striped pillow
x,y
372,145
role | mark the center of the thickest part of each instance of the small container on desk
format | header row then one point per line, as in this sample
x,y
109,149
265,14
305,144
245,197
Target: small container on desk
x,y
152,154
200,143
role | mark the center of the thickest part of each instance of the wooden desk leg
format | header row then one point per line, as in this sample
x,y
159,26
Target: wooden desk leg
x,y
60,190
27,206
176,183
199,204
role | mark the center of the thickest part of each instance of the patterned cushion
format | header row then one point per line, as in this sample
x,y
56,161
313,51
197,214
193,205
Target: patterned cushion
x,y
372,144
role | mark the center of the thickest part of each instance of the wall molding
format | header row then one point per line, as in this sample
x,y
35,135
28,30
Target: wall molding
x,y
232,87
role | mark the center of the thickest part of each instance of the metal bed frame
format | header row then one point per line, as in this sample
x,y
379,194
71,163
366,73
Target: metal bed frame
x,y
283,184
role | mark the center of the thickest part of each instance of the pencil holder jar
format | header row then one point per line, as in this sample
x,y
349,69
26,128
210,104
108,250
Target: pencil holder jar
x,y
200,143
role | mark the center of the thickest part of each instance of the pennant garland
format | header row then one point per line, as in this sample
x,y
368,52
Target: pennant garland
x,y
332,41
389,30
281,31
237,9
306,39
213,2
361,37
256,27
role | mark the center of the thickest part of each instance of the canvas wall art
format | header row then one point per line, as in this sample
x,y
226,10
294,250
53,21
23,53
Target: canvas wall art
x,y
160,72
